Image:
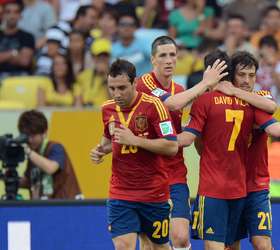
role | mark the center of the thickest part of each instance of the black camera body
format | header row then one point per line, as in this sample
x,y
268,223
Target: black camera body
x,y
11,154
11,150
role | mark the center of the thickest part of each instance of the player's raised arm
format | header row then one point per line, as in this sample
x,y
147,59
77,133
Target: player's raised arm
x,y
211,77
256,100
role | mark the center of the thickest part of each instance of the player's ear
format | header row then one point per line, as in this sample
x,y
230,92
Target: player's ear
x,y
153,60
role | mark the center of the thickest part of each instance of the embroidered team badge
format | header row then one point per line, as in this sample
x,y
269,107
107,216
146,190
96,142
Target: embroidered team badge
x,y
111,125
141,123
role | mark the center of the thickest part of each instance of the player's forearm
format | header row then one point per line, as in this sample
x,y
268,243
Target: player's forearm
x,y
185,139
182,99
256,100
106,145
158,146
273,129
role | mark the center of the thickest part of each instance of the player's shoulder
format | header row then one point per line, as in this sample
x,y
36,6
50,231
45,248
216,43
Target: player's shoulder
x,y
108,104
147,80
154,105
149,99
264,93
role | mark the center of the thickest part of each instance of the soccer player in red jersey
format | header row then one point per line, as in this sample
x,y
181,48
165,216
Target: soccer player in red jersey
x,y
159,83
224,124
140,130
256,218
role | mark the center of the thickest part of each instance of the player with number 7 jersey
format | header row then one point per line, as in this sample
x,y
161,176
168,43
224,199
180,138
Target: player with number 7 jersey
x,y
224,124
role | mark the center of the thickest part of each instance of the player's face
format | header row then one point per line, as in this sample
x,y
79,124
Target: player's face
x,y
245,78
164,60
121,90
35,141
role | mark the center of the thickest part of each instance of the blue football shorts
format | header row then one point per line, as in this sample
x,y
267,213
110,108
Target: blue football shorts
x,y
214,219
180,197
151,218
256,219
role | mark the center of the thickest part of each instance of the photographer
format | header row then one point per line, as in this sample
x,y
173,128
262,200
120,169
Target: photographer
x,y
49,173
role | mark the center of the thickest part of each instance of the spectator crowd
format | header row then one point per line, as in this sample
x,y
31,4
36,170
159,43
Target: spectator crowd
x,y
73,42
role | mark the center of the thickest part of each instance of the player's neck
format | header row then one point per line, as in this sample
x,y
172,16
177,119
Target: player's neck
x,y
134,97
163,80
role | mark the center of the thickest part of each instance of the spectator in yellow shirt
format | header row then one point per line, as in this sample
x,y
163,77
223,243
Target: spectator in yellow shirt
x,y
91,83
63,80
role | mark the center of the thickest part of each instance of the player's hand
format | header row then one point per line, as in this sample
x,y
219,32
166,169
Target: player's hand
x,y
213,74
226,88
96,154
124,135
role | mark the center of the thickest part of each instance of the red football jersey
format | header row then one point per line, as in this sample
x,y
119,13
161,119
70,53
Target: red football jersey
x,y
257,166
224,123
137,174
149,84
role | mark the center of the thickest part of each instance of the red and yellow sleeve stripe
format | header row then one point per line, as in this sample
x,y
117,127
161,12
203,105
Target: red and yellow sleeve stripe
x,y
108,102
163,115
149,81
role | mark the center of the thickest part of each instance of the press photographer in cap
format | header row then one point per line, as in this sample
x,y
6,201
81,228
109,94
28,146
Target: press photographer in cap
x,y
49,173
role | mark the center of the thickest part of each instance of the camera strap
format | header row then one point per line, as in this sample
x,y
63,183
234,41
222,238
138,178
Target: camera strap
x,y
43,147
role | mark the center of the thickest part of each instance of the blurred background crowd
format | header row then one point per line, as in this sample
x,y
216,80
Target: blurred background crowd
x,y
68,45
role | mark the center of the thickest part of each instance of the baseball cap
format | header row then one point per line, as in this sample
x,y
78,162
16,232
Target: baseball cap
x,y
101,46
55,35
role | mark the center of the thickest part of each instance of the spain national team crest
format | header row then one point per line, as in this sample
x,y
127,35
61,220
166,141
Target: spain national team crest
x,y
111,125
141,123
111,128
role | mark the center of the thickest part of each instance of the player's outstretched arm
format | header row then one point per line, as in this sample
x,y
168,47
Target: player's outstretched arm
x,y
102,149
185,139
273,129
254,99
161,146
212,75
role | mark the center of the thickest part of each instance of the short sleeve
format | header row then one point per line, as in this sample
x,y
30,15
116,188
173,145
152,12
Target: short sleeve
x,y
263,119
264,93
106,123
173,18
161,121
155,91
57,154
198,116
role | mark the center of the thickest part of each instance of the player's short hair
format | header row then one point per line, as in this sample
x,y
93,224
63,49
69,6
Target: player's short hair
x,y
162,40
244,59
32,122
123,67
223,56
